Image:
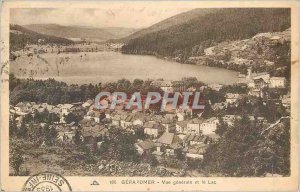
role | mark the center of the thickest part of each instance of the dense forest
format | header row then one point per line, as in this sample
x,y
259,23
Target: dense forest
x,y
249,149
169,22
207,30
20,36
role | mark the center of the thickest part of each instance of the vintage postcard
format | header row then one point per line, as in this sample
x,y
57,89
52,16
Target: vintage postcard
x,y
149,96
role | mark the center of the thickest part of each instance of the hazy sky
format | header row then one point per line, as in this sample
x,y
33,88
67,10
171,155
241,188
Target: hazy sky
x,y
121,16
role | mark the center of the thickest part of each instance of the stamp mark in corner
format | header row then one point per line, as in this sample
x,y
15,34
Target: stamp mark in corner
x,y
46,181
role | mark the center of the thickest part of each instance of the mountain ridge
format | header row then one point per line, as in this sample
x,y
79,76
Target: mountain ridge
x,y
82,32
19,36
169,22
207,30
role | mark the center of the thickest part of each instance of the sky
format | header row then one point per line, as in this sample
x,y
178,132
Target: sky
x,y
118,16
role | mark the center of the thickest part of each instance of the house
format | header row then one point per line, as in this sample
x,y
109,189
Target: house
x,y
260,83
66,136
255,92
209,126
170,116
115,119
186,110
98,116
169,143
181,126
171,128
88,104
178,86
180,116
55,110
153,129
107,114
192,139
229,119
286,101
215,87
263,79
166,86
49,107
129,120
262,75
193,126
145,146
138,120
122,120
195,151
213,138
156,118
277,82
218,106
77,109
86,122
21,107
166,122
89,115
66,109
90,134
41,109
231,97
258,119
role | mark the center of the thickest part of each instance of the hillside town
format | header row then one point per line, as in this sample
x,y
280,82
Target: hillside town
x,y
175,134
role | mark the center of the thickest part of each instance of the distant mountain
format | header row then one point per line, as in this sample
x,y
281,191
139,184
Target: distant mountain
x,y
82,32
19,36
120,32
192,37
169,22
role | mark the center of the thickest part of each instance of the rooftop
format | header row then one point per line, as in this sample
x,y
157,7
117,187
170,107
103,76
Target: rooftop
x,y
147,144
168,139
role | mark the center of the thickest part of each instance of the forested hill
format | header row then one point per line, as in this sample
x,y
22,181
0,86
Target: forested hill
x,y
207,30
82,32
20,36
172,21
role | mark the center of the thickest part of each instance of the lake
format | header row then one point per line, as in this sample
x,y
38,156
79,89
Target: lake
x,y
96,67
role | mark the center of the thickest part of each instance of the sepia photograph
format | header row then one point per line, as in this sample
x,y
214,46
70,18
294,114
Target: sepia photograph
x,y
148,92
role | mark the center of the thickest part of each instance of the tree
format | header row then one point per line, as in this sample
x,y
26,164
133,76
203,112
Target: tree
x,y
52,117
222,127
23,130
233,154
27,118
213,96
193,164
16,161
137,84
150,159
273,151
120,146
50,135
71,118
77,138
190,82
12,127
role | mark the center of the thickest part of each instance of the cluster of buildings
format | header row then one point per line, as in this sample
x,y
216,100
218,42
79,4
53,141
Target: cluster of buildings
x,y
41,48
169,86
257,81
61,110
167,133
